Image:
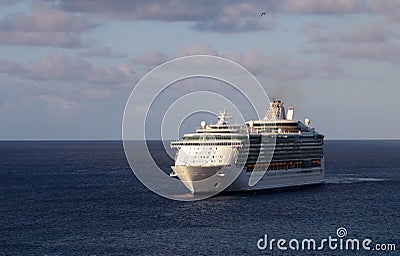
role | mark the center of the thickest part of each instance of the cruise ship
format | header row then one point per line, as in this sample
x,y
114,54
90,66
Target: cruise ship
x,y
276,151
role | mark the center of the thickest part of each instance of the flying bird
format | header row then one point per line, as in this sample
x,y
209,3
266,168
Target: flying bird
x,y
263,13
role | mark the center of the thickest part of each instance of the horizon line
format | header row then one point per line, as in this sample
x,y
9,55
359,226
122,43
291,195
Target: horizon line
x,y
158,139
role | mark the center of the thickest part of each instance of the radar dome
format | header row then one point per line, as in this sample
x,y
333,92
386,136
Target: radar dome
x,y
307,122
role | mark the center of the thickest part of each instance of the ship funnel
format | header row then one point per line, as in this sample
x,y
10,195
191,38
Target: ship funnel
x,y
276,111
290,113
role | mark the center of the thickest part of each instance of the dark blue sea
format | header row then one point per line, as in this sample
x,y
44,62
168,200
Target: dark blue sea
x,y
81,198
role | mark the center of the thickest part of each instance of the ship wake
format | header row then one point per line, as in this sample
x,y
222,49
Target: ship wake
x,y
350,180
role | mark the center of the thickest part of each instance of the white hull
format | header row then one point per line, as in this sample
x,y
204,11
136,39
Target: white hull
x,y
206,179
279,179
272,179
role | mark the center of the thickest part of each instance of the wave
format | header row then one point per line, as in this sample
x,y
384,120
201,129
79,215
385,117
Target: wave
x,y
348,180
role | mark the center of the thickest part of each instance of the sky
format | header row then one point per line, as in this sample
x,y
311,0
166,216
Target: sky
x,y
67,68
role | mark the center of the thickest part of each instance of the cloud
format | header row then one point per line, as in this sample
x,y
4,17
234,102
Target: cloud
x,y
98,93
228,25
141,10
151,57
58,67
390,9
284,67
105,52
278,66
9,67
196,48
58,39
65,83
46,25
45,18
321,7
366,32
7,2
220,16
225,16
230,16
376,51
373,41
237,17
121,73
192,10
56,102
63,68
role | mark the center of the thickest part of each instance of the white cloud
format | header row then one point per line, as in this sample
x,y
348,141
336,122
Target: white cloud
x,y
196,48
387,52
56,39
373,41
60,67
55,103
151,57
390,9
46,25
219,16
279,66
362,32
104,52
324,7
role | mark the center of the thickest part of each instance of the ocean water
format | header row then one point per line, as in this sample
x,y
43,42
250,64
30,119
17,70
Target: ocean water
x,y
81,198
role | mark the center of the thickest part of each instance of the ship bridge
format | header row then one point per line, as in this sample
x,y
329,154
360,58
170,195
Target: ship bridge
x,y
221,126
